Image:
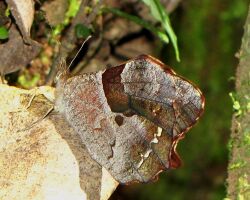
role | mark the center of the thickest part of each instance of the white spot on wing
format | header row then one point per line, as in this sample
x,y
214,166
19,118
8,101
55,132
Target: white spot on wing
x,y
149,150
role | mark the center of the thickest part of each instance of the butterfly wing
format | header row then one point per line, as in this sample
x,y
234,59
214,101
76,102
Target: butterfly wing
x,y
156,92
130,117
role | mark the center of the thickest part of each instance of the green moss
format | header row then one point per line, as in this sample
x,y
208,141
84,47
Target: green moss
x,y
237,164
236,104
230,144
246,143
243,188
27,81
71,12
241,105
7,12
246,139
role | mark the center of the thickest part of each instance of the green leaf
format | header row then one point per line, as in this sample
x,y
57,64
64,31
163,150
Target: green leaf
x,y
82,31
7,12
73,8
159,33
153,9
27,81
4,34
160,14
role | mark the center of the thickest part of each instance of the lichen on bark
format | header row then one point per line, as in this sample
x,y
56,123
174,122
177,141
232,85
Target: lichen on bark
x,y
239,165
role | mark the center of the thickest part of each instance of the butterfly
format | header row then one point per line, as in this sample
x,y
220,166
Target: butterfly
x,y
131,117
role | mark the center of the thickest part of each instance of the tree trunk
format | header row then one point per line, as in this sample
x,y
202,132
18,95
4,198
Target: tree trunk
x,y
239,164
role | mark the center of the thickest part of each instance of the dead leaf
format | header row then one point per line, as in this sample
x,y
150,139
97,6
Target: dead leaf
x,y
135,47
23,12
117,28
15,54
55,11
48,158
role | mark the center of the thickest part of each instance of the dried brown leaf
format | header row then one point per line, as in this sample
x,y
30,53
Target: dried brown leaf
x,y
15,54
48,157
23,12
55,11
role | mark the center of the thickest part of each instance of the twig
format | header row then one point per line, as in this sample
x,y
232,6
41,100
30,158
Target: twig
x,y
69,40
92,52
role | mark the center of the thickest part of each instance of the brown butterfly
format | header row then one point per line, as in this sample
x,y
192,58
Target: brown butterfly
x,y
130,117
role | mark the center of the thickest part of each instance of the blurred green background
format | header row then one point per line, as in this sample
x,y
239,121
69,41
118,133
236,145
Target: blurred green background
x,y
209,35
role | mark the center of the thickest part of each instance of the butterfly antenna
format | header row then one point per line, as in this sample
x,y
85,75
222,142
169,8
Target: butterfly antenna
x,y
79,51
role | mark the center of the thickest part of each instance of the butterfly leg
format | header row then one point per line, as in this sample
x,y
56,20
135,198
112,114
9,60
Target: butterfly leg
x,y
31,99
34,106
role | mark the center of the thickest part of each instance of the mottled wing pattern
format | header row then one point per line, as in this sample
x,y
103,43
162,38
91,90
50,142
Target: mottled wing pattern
x,y
159,94
130,117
